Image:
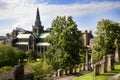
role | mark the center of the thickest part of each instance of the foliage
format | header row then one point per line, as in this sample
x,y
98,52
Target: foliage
x,y
30,55
5,68
9,56
89,76
41,68
107,32
65,43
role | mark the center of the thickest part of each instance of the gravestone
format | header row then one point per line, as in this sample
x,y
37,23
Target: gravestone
x,y
110,64
79,67
86,64
19,72
96,69
104,65
117,55
55,74
83,66
66,71
71,70
75,69
60,72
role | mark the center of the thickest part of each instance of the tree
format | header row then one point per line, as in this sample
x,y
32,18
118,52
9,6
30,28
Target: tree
x,y
65,43
107,32
9,56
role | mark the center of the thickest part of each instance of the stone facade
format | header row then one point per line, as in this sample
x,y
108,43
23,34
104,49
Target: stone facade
x,y
35,39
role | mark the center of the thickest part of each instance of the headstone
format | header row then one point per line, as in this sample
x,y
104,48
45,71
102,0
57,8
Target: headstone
x,y
66,71
110,64
96,69
83,66
75,69
60,72
80,66
117,55
71,70
19,72
55,74
86,65
92,60
104,65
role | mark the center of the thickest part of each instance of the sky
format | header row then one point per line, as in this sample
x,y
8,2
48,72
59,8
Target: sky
x,y
86,13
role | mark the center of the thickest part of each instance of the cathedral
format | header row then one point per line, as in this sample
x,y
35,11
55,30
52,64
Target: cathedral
x,y
35,39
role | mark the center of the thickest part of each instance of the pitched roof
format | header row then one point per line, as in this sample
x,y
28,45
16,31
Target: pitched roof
x,y
43,44
44,35
23,35
21,43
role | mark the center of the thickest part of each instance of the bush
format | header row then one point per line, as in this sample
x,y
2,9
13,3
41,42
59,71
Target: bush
x,y
5,68
41,68
9,56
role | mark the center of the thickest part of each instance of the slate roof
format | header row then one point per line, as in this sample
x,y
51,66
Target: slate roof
x,y
43,35
43,44
21,43
23,35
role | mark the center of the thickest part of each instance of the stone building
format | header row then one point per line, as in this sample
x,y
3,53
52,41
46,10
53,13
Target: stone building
x,y
86,36
35,39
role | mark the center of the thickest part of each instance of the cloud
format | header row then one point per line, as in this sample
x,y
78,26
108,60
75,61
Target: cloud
x,y
24,11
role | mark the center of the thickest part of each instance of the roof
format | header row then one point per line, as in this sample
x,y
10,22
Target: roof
x,y
43,44
43,35
21,43
23,35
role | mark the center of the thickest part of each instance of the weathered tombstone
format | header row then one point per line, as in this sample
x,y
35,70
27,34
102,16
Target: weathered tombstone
x,y
66,71
110,64
117,54
104,65
96,69
83,66
91,60
79,67
19,72
75,69
87,64
60,72
71,70
55,74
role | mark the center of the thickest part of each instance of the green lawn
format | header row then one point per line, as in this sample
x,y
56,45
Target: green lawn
x,y
104,76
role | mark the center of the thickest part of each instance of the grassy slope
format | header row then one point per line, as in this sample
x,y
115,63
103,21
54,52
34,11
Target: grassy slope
x,y
104,76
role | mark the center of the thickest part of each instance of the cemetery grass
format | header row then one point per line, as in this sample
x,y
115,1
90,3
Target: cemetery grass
x,y
89,76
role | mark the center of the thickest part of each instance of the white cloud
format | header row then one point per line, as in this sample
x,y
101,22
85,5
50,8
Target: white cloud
x,y
24,11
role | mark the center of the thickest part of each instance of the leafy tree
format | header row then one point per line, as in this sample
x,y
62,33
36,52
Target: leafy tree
x,y
9,56
30,55
107,32
65,43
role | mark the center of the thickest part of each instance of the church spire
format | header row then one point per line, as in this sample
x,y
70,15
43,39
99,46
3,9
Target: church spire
x,y
37,28
37,21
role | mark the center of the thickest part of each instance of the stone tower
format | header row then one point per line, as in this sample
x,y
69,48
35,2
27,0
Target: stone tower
x,y
37,28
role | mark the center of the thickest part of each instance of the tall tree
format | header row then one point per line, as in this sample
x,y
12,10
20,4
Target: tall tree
x,y
65,43
107,32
